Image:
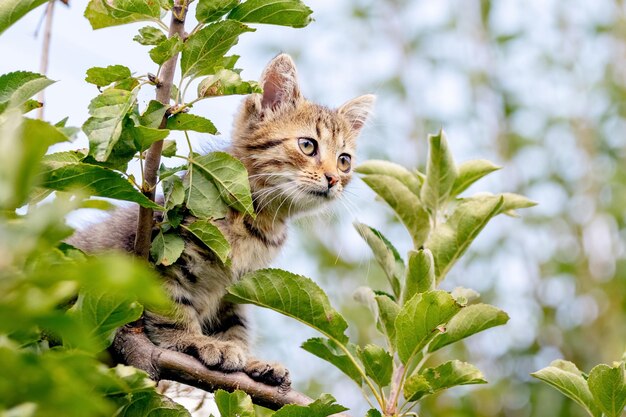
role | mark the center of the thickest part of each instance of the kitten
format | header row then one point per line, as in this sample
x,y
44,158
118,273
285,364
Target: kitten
x,y
299,156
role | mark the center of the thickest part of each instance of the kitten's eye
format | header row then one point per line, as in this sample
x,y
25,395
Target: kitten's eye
x,y
344,162
308,146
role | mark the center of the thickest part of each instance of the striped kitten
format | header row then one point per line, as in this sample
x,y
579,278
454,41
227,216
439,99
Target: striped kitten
x,y
299,157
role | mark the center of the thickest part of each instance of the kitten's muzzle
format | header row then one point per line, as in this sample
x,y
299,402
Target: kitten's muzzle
x,y
332,179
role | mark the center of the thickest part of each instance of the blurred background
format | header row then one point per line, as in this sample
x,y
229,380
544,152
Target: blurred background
x,y
537,86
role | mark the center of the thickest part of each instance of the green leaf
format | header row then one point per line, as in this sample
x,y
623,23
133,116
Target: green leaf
x,y
169,148
94,180
203,197
385,254
226,82
101,13
373,413
17,87
153,115
378,167
419,320
165,172
230,177
512,201
235,404
211,10
451,239
151,403
166,49
324,406
294,296
387,313
166,248
441,172
608,387
11,11
31,105
292,13
103,313
451,374
174,191
144,137
212,237
470,320
186,121
471,171
150,35
569,380
104,127
329,351
415,387
406,205
378,364
205,49
420,275
104,76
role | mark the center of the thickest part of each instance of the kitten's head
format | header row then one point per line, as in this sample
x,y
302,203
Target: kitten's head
x,y
299,155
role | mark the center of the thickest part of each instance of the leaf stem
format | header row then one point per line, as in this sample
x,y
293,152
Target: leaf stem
x,y
379,399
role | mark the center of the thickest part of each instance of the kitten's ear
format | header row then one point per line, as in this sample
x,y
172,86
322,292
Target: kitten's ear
x,y
357,110
280,83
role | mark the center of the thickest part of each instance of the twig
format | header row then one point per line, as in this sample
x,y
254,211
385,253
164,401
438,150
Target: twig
x,y
153,155
45,52
132,346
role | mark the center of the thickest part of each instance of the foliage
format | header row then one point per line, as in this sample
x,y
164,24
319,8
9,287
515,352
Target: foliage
x,y
416,318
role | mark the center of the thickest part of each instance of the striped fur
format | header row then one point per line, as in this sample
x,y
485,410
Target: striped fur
x,y
284,182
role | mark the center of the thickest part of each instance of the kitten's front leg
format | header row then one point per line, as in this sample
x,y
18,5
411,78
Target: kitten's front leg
x,y
233,328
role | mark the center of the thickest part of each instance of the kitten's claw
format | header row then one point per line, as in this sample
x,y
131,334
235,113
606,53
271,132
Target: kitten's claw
x,y
267,373
226,356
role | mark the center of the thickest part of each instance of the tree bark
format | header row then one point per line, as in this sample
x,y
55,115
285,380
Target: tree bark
x,y
145,221
132,346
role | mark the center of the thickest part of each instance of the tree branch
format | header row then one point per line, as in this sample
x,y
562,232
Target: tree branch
x,y
145,221
45,52
132,346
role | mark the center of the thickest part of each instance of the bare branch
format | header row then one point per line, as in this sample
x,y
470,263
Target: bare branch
x,y
45,51
145,221
132,346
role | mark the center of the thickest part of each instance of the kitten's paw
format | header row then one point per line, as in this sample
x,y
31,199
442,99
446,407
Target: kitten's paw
x,y
267,373
226,356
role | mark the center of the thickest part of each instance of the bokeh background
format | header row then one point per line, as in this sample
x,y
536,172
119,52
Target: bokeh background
x,y
537,86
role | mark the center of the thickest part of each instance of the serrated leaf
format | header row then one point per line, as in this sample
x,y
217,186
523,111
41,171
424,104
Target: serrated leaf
x,y
166,248
144,137
95,181
186,121
294,296
324,406
58,159
387,314
150,403
104,76
226,82
471,171
569,380
212,237
419,319
470,320
292,13
235,404
415,387
378,167
153,115
378,364
101,13
205,49
451,239
174,191
17,87
406,205
149,35
385,254
166,49
420,274
452,374
441,172
203,197
211,10
608,388
104,127
329,351
12,11
103,313
165,172
230,177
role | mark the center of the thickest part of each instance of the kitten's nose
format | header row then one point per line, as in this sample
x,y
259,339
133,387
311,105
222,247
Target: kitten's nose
x,y
332,179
